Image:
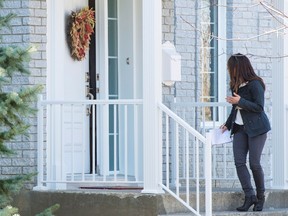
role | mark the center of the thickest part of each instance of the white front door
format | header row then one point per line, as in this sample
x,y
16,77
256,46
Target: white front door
x,y
68,125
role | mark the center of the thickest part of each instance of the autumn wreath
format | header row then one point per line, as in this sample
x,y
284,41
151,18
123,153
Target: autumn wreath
x,y
81,29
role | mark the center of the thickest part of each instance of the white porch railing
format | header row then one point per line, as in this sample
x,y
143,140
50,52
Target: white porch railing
x,y
70,155
204,117
183,153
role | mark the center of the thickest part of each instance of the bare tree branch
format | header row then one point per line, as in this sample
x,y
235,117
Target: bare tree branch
x,y
270,7
278,30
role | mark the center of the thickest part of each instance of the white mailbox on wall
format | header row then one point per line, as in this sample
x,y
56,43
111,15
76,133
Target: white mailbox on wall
x,y
171,64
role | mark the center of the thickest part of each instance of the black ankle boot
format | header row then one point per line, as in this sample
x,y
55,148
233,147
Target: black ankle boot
x,y
249,201
260,203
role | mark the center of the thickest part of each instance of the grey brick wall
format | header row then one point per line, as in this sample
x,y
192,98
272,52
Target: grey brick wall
x,y
168,28
28,28
168,21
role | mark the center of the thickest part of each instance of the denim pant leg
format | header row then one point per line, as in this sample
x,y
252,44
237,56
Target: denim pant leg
x,y
240,151
256,145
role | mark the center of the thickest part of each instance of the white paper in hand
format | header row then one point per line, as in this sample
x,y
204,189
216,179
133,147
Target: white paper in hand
x,y
220,138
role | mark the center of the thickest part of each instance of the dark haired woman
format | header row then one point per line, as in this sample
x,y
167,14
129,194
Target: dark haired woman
x,y
249,125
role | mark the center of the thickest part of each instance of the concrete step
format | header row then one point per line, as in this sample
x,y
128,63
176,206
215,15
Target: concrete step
x,y
131,203
228,200
265,212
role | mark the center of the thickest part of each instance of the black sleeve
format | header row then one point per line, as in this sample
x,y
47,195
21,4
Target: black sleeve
x,y
256,103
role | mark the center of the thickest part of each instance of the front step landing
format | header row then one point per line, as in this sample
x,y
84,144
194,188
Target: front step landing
x,y
265,212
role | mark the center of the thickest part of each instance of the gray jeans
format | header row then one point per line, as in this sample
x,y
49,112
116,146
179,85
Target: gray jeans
x,y
242,145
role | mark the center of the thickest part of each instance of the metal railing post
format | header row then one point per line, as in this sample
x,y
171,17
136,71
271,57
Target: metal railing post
x,y
40,150
208,175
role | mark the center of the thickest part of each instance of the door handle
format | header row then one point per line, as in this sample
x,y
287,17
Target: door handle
x,y
88,109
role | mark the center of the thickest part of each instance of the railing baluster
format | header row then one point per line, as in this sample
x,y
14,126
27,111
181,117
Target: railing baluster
x,y
49,146
136,142
62,146
197,177
83,141
214,150
115,141
125,142
167,150
187,169
208,177
214,153
93,142
194,160
177,157
182,134
106,138
183,150
40,132
72,143
225,162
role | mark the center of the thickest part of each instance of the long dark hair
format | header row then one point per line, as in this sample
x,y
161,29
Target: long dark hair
x,y
241,71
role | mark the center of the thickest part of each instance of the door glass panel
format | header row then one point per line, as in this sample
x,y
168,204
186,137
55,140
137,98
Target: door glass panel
x,y
112,37
113,78
112,8
113,84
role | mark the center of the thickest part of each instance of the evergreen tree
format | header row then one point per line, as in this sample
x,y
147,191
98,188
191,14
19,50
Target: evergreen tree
x,y
15,108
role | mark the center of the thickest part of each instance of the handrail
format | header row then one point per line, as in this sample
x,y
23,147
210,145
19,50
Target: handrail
x,y
190,138
202,104
181,122
93,102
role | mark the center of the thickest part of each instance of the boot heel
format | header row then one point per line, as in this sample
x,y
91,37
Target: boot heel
x,y
249,201
260,203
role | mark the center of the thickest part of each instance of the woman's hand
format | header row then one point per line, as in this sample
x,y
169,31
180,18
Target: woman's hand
x,y
224,128
233,99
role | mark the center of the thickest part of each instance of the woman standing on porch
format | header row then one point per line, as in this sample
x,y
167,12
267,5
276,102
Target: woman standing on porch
x,y
249,125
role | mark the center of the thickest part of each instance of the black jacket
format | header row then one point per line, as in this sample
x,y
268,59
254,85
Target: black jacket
x,y
252,112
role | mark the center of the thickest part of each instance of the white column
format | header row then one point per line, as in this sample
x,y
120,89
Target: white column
x,y
279,116
152,93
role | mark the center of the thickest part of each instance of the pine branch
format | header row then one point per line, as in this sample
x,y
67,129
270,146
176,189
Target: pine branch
x,y
49,211
14,109
14,59
10,187
4,150
29,95
4,21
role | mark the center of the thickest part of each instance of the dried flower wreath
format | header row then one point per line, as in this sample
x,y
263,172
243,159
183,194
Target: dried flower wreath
x,y
82,26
